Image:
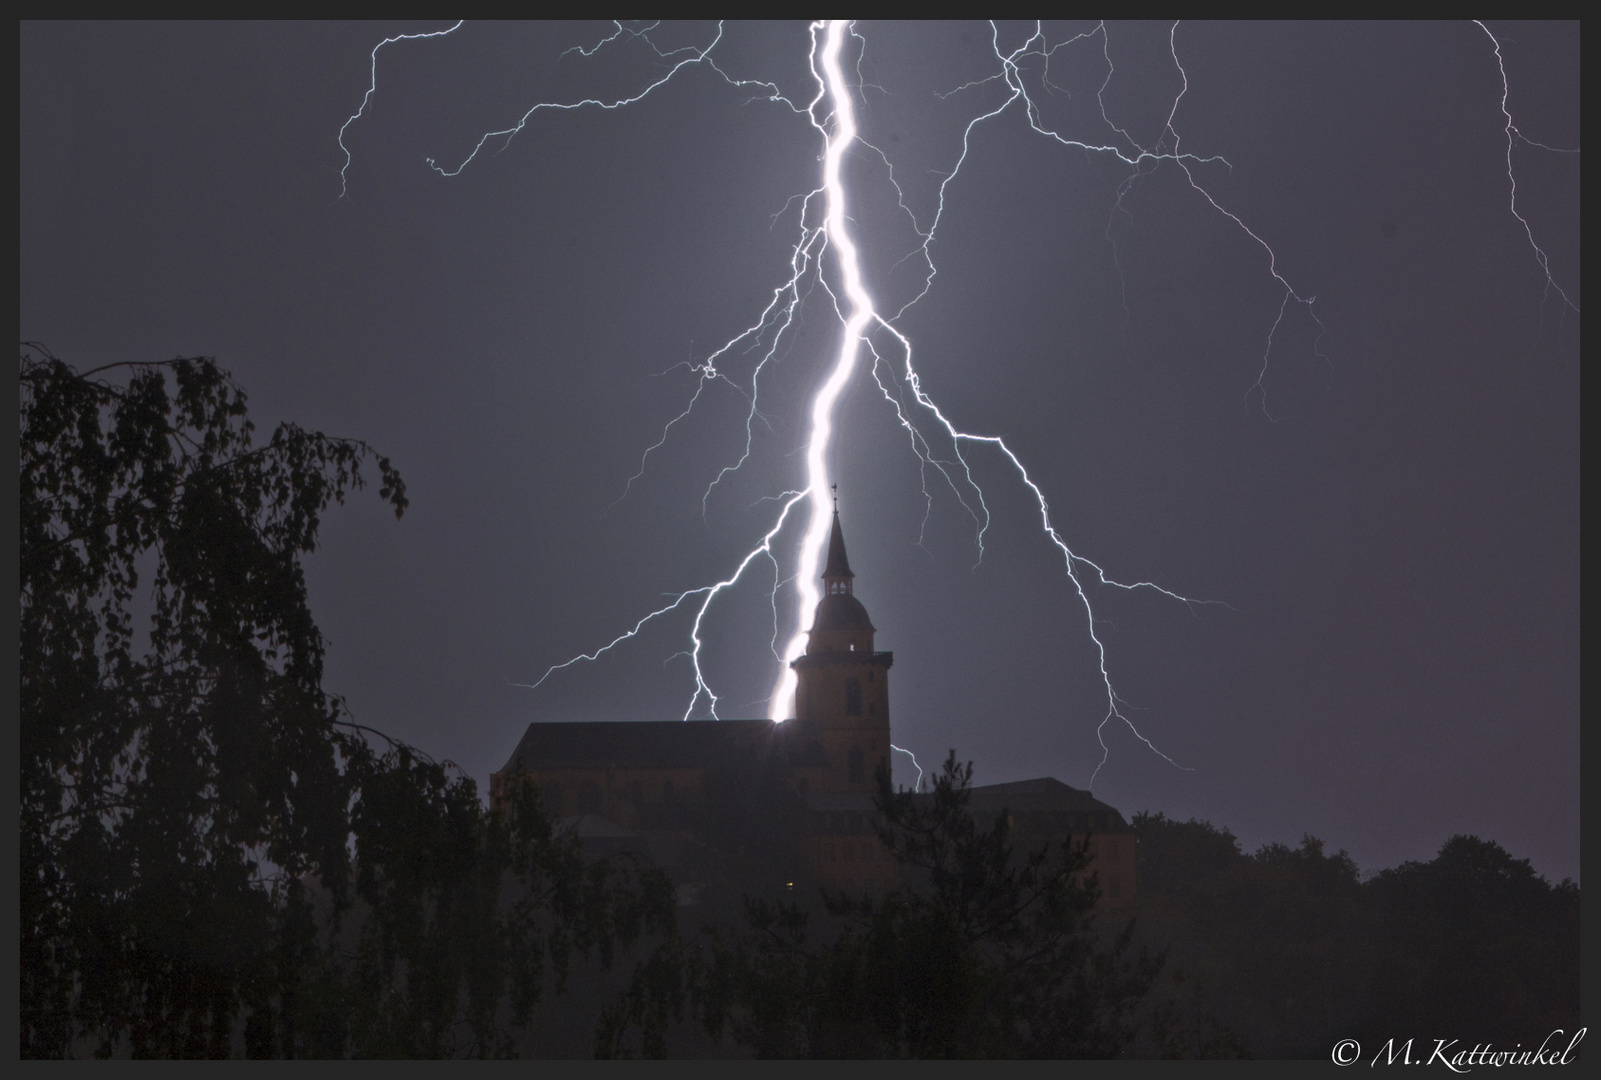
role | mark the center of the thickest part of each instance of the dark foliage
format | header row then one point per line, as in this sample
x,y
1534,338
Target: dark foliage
x,y
1474,942
980,952
215,859
1283,952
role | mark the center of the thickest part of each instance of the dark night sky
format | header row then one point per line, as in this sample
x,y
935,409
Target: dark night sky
x,y
1395,534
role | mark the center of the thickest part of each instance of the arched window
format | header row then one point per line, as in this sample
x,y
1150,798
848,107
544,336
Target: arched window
x,y
854,758
853,697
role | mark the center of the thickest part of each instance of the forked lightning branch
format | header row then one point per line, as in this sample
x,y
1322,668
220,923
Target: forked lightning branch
x,y
824,260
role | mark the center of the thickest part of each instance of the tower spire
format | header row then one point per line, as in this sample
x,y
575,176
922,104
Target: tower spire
x,y
837,570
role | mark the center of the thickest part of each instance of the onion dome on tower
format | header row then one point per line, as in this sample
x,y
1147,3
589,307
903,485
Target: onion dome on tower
x,y
841,623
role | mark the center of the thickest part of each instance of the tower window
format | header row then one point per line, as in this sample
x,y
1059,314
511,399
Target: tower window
x,y
853,697
854,758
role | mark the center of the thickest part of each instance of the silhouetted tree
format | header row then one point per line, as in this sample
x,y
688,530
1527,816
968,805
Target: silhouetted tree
x,y
1287,950
980,952
215,859
1184,1028
1474,941
1275,946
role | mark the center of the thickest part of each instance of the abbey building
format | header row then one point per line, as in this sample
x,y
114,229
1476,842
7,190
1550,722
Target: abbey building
x,y
682,792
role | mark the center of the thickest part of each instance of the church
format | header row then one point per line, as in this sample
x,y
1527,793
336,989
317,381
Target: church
x,y
647,787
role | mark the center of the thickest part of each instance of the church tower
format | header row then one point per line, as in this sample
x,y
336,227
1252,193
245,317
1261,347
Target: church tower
x,y
841,684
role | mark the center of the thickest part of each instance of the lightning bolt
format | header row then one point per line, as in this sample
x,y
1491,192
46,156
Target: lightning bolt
x,y
918,786
824,255
707,593
838,127
1513,137
861,313
372,88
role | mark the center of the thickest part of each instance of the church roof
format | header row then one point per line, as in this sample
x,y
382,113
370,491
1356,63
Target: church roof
x,y
1047,795
657,744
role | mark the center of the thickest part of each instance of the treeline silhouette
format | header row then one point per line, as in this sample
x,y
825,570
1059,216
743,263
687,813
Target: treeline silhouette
x,y
1284,952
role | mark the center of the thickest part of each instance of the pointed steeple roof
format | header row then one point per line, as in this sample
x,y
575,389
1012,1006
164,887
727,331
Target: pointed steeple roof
x,y
838,568
841,624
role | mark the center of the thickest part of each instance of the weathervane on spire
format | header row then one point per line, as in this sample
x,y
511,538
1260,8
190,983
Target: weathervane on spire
x,y
835,489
